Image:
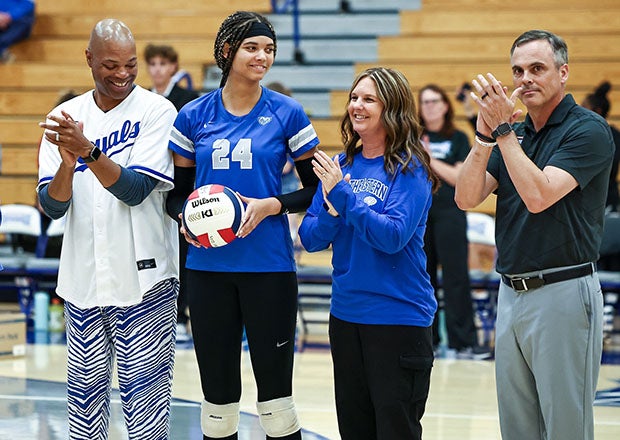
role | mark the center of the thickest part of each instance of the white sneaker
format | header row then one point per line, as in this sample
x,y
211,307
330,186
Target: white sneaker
x,y
478,353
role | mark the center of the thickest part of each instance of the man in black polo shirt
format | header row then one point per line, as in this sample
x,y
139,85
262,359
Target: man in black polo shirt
x,y
550,174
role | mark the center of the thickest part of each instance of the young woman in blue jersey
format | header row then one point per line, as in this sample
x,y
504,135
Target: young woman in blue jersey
x,y
371,207
239,136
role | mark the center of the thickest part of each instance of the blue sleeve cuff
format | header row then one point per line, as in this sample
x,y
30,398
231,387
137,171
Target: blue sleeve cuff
x,y
132,187
52,207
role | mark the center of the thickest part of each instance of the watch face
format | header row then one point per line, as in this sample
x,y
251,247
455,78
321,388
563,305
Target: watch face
x,y
95,153
503,129
93,156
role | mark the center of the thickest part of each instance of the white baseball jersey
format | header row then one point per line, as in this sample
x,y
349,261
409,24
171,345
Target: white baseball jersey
x,y
113,253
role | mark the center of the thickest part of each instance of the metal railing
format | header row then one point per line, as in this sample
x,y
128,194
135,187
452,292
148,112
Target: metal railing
x,y
280,7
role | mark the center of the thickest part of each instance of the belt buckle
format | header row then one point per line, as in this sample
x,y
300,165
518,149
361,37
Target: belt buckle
x,y
519,284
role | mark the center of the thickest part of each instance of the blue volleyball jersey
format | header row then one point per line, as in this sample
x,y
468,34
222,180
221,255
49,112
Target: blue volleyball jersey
x,y
247,154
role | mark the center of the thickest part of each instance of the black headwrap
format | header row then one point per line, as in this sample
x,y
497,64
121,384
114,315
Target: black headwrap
x,y
257,29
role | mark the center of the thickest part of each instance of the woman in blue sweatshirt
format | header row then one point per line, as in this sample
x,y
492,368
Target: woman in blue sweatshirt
x,y
371,207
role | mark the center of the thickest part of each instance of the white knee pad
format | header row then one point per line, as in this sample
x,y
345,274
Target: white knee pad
x,y
278,417
219,421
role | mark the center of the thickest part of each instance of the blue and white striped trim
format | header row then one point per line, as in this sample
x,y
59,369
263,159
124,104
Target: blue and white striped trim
x,y
182,141
304,136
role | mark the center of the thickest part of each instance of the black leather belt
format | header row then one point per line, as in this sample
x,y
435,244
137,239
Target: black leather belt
x,y
522,284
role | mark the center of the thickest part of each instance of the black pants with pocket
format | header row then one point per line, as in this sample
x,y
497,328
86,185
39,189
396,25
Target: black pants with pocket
x,y
382,378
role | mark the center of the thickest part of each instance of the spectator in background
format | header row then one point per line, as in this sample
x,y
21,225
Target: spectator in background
x,y
610,249
445,240
463,96
597,102
280,88
163,65
16,21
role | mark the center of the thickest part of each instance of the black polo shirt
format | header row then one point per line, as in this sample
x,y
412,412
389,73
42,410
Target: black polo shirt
x,y
569,232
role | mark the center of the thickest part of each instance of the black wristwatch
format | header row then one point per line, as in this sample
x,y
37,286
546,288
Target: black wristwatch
x,y
92,156
502,130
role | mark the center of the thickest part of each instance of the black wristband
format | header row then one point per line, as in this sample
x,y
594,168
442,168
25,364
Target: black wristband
x,y
484,137
297,201
184,178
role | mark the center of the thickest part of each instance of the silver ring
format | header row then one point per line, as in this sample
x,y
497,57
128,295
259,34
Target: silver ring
x,y
57,137
484,96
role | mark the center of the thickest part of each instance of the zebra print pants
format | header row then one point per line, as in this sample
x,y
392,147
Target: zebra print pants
x,y
142,339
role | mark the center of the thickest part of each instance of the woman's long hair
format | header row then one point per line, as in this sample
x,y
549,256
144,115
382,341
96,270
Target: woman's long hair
x,y
399,118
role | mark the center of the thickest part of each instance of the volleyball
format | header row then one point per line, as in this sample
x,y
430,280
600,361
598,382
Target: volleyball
x,y
212,215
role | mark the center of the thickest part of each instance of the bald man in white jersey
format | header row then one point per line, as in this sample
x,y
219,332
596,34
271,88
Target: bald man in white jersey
x,y
105,163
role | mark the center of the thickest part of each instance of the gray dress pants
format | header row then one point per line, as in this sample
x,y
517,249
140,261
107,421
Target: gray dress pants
x,y
548,351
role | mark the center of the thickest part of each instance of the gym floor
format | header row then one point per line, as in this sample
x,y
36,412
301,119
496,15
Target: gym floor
x,y
461,405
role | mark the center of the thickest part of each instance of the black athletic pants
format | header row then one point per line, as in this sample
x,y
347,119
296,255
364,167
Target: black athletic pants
x,y
221,304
